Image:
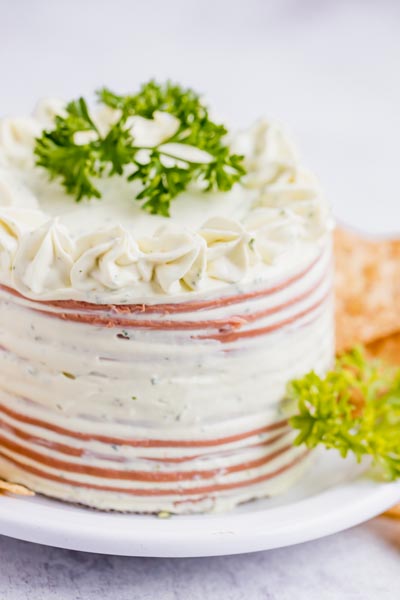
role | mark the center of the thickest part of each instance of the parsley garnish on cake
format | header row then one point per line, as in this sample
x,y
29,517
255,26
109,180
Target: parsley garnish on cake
x,y
163,135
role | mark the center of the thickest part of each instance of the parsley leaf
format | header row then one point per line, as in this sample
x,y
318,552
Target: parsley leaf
x,y
355,409
58,152
77,160
160,184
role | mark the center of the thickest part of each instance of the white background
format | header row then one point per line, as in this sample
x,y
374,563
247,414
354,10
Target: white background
x,y
328,69
331,71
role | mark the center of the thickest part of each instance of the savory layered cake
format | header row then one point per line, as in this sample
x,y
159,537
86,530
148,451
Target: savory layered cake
x,y
162,280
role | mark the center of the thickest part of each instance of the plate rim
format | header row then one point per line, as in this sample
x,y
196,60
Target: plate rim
x,y
199,535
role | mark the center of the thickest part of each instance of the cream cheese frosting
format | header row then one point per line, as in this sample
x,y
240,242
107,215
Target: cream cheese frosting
x,y
111,251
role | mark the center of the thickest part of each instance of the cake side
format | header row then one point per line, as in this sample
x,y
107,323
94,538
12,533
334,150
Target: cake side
x,y
151,411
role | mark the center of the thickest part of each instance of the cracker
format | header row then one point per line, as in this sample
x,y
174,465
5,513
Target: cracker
x,y
388,349
15,488
367,288
394,512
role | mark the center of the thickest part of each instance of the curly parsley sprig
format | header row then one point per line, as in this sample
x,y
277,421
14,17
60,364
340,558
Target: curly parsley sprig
x,y
355,409
77,164
74,164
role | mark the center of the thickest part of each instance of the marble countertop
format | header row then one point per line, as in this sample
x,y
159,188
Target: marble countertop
x,y
359,564
330,70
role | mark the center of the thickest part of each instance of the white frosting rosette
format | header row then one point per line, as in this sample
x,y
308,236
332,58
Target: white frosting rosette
x,y
228,250
107,260
14,224
274,232
44,259
17,140
173,257
47,109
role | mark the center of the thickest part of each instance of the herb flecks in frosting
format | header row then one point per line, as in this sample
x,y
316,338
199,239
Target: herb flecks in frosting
x,y
162,137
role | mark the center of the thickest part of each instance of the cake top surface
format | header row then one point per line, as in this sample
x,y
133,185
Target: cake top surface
x,y
145,198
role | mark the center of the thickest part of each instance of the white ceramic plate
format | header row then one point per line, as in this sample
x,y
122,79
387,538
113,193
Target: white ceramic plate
x,y
333,496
